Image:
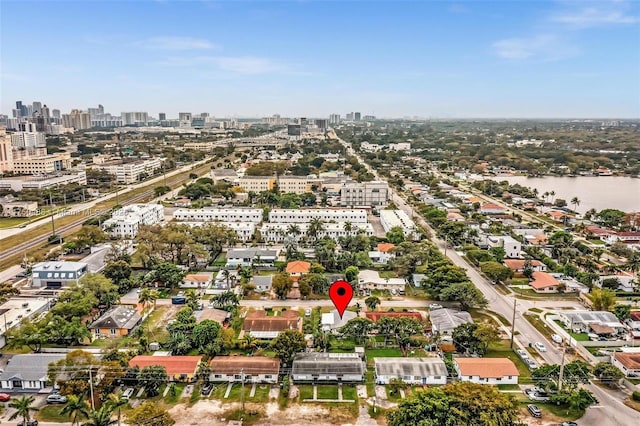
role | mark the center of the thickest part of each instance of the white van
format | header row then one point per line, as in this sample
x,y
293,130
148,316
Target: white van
x,y
556,338
128,393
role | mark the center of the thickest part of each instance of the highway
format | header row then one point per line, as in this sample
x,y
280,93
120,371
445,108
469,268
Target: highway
x,y
610,410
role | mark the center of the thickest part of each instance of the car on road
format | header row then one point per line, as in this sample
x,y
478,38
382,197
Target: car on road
x,y
29,423
540,347
56,398
568,424
435,306
556,338
534,410
206,389
522,353
4,397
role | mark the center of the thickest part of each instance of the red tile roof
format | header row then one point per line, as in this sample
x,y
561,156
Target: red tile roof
x,y
298,266
259,321
543,280
518,264
175,365
629,359
490,368
385,247
253,365
375,316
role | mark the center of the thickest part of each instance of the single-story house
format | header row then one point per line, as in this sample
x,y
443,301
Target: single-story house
x,y
627,362
415,371
213,314
579,321
491,371
544,282
628,280
491,208
375,316
261,326
327,367
298,268
262,283
383,254
371,280
444,320
331,320
200,280
255,369
179,368
250,256
517,265
28,371
119,320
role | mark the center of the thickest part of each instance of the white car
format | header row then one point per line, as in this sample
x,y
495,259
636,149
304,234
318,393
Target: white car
x,y
556,338
540,347
435,306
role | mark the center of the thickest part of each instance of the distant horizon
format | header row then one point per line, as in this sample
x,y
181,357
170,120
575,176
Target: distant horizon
x,y
438,59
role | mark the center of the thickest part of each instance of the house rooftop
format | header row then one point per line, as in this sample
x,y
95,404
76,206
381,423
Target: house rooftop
x,y
420,367
203,278
120,316
258,321
447,319
631,360
175,365
543,280
518,264
385,247
252,365
298,266
486,367
375,316
31,367
322,363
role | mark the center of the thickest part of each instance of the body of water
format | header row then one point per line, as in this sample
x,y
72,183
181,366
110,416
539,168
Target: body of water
x,y
594,192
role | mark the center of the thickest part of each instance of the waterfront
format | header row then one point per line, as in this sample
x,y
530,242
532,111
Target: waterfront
x,y
597,192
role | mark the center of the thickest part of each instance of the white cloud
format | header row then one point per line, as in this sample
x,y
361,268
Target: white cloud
x,y
596,15
545,47
236,64
175,43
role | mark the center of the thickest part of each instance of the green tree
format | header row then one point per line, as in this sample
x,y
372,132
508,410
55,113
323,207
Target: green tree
x,y
527,269
372,302
461,403
117,402
227,300
351,273
496,271
623,312
287,344
153,376
76,408
23,407
603,299
168,274
100,417
607,373
204,333
281,285
149,413
465,293
575,202
395,235
117,271
498,253
358,329
611,218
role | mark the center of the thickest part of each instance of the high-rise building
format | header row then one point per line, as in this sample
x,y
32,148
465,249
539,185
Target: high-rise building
x,y
162,116
322,123
77,119
349,116
96,113
136,118
28,140
46,114
55,113
37,108
356,116
6,153
184,119
334,119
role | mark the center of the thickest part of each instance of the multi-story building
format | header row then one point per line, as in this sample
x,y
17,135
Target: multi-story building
x,y
245,231
257,183
28,140
356,116
77,119
365,194
125,222
326,215
6,154
219,215
390,219
42,165
279,232
33,182
162,116
137,118
57,274
295,184
132,172
334,119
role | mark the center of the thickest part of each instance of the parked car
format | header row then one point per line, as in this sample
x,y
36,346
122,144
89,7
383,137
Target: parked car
x,y
556,338
522,353
206,389
535,394
56,398
435,306
534,410
29,423
4,397
128,393
568,424
540,347
307,313
531,363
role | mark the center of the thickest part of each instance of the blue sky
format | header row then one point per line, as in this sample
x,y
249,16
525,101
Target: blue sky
x,y
306,58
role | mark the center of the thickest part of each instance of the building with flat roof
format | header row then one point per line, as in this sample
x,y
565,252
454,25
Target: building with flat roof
x,y
327,367
257,183
581,321
131,172
287,216
365,194
56,274
250,256
125,222
247,369
42,182
371,280
16,309
390,219
279,232
42,164
219,215
414,371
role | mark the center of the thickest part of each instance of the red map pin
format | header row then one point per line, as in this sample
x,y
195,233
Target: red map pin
x,y
341,294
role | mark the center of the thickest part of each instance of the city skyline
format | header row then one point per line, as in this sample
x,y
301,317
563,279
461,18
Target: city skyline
x,y
254,59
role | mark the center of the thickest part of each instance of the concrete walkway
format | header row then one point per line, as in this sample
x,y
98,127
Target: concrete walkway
x,y
228,391
253,391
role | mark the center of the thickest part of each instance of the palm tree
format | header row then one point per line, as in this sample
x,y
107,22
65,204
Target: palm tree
x,y
144,297
315,227
293,229
250,342
553,194
117,402
101,417
348,227
23,408
75,408
576,202
545,195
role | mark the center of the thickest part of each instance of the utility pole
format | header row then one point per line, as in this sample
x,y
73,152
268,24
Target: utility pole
x,y
513,322
91,388
53,225
242,390
564,350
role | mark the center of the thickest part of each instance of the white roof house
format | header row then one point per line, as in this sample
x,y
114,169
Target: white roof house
x,y
418,371
444,320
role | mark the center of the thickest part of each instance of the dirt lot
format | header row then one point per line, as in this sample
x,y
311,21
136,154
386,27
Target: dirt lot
x,y
212,412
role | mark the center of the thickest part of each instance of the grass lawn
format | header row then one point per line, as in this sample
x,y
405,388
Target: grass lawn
x,y
305,392
508,387
536,310
502,350
370,377
327,392
387,274
219,391
519,281
580,337
560,411
349,392
51,413
597,241
173,397
261,395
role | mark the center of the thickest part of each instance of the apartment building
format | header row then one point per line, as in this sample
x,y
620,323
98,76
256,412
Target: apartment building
x,y
257,183
125,222
244,230
6,154
295,184
278,232
28,140
57,274
326,215
219,215
390,219
365,194
127,173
